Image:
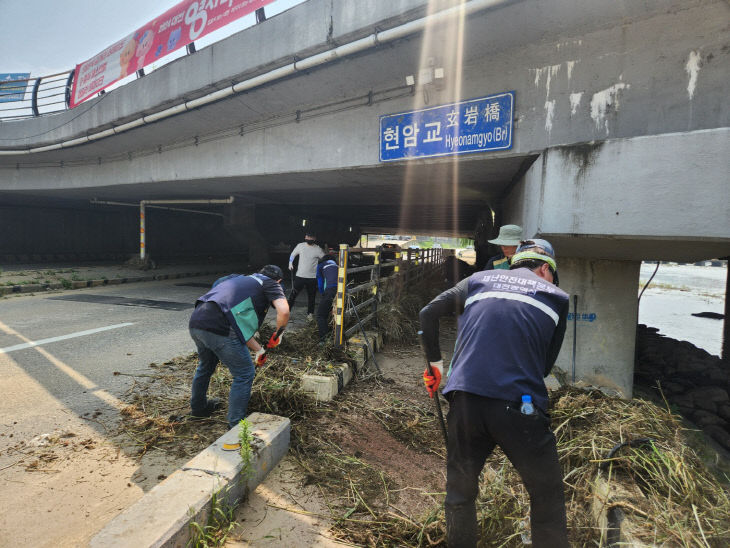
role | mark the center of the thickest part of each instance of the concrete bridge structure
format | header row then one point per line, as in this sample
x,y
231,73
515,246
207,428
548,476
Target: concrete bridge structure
x,y
620,142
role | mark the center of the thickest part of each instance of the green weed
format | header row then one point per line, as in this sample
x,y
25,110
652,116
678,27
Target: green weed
x,y
245,438
219,524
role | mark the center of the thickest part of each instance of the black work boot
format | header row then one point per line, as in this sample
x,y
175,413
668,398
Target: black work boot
x,y
461,526
211,406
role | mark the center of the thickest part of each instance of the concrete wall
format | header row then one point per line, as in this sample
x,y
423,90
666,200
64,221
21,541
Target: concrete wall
x,y
606,322
43,234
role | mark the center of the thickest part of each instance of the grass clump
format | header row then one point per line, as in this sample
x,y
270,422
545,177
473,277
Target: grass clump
x,y
245,438
219,524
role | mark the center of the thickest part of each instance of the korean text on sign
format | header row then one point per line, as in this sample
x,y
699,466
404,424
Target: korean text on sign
x,y
469,126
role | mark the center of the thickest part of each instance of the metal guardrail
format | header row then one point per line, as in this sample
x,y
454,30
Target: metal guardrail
x,y
52,93
42,95
409,266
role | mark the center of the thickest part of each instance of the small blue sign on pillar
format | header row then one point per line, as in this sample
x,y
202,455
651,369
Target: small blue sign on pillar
x,y
12,86
475,125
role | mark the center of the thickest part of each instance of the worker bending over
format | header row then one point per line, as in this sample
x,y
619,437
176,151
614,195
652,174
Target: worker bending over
x,y
510,332
223,325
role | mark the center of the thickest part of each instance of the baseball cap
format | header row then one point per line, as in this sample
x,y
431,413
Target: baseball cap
x,y
537,249
272,271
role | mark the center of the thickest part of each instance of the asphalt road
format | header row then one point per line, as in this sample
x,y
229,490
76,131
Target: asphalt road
x,y
59,351
82,338
58,355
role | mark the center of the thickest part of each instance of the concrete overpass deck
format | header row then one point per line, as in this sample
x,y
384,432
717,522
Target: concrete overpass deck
x,y
619,153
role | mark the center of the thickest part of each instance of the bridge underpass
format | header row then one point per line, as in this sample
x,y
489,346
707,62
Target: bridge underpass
x,y
620,127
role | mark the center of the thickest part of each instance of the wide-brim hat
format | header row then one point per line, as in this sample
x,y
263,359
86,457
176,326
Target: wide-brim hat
x,y
508,235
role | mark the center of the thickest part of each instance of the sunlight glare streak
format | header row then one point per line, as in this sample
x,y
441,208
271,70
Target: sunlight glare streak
x,y
437,187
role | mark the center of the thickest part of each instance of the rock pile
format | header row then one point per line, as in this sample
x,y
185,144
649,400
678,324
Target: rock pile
x,y
693,381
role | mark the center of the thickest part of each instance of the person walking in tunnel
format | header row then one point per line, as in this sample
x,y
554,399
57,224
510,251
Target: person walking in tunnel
x,y
327,284
511,328
223,325
508,239
309,253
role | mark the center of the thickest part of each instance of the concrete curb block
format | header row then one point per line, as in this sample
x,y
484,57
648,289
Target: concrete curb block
x,y
325,387
161,518
82,284
359,348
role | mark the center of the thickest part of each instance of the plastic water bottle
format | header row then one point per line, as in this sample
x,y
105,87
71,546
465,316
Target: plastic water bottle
x,y
525,533
527,408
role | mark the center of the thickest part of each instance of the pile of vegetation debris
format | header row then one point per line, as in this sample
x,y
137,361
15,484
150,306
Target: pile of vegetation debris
x,y
157,416
377,455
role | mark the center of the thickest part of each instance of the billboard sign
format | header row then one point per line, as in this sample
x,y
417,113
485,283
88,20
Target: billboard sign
x,y
12,86
476,125
174,29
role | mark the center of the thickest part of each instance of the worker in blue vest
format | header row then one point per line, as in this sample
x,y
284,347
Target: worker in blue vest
x,y
508,239
223,325
327,284
510,331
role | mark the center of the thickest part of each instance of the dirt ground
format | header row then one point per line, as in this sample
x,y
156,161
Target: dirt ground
x,y
288,509
71,481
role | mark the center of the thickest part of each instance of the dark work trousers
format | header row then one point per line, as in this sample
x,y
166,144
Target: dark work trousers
x,y
299,284
476,425
323,311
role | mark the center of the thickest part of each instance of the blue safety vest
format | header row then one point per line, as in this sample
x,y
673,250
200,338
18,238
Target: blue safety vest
x,y
504,334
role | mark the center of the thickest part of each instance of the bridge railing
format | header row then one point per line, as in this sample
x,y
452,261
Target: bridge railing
x,y
40,95
52,93
398,267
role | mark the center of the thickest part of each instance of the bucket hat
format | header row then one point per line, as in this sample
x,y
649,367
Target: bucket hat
x,y
508,235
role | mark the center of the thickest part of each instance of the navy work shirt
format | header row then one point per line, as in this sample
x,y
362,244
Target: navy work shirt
x,y
510,331
239,303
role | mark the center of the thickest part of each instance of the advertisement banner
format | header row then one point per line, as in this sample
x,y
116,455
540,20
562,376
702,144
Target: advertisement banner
x,y
177,27
12,86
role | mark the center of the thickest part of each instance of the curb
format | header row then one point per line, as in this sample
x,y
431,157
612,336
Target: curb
x,y
326,387
161,518
83,284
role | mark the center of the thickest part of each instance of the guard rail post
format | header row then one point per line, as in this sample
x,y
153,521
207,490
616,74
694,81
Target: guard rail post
x,y
375,275
409,266
340,298
397,275
34,96
69,87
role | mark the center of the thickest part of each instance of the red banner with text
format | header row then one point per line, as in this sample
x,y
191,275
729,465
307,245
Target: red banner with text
x,y
174,29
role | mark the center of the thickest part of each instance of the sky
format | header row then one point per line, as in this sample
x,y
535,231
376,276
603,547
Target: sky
x,y
46,37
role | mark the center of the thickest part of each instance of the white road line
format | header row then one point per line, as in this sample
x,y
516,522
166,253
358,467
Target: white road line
x,y
31,344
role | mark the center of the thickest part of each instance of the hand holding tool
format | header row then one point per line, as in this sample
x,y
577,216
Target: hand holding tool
x,y
432,373
260,357
275,339
432,376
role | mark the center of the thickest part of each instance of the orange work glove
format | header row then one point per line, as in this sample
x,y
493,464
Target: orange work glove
x,y
260,357
273,341
432,382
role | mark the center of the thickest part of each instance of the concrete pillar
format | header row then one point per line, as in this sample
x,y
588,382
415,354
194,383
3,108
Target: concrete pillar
x,y
605,324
